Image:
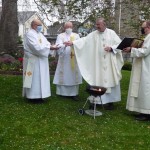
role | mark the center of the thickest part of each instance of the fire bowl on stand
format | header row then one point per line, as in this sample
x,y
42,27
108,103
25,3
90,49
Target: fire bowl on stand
x,y
96,90
95,97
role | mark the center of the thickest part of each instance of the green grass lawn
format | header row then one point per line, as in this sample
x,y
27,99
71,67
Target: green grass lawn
x,y
57,125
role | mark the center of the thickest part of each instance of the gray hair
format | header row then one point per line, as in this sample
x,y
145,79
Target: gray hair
x,y
101,20
32,23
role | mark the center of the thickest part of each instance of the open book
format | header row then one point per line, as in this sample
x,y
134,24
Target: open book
x,y
130,42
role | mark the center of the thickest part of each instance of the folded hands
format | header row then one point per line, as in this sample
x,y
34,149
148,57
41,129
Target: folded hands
x,y
68,43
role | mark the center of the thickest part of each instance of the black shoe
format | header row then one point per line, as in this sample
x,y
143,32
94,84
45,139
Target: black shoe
x,y
75,98
109,106
100,105
62,96
137,115
36,101
143,117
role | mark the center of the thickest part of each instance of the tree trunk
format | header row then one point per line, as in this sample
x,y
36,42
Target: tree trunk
x,y
8,26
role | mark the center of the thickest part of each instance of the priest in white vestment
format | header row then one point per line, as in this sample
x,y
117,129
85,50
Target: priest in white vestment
x,y
67,75
100,62
139,89
36,81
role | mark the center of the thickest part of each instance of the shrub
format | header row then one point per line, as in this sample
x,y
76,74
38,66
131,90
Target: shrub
x,y
53,64
12,62
13,66
19,40
127,66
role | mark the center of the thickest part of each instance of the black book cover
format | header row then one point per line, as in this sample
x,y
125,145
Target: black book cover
x,y
130,42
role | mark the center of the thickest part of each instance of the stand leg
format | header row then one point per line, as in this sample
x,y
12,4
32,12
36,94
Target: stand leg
x,y
85,102
94,109
101,103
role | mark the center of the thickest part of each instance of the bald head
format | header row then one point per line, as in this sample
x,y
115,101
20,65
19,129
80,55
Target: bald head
x,y
35,23
146,24
68,25
146,27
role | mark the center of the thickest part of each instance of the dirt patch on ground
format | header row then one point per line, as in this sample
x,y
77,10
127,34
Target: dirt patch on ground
x,y
10,73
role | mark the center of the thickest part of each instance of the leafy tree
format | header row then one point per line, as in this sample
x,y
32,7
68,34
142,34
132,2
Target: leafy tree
x,y
133,13
8,26
76,10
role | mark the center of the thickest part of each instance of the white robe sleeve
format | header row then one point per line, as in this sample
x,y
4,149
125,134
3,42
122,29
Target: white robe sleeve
x,y
37,48
59,42
116,40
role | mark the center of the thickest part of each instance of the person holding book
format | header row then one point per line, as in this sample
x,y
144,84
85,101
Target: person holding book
x,y
139,89
99,61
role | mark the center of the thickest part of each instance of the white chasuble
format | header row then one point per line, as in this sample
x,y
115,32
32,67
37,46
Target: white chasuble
x,y
67,72
139,88
98,67
35,66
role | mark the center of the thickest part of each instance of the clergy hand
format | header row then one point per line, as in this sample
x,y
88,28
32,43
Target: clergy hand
x,y
54,47
108,49
127,49
68,43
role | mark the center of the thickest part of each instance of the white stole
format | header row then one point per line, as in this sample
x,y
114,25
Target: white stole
x,y
28,72
136,75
